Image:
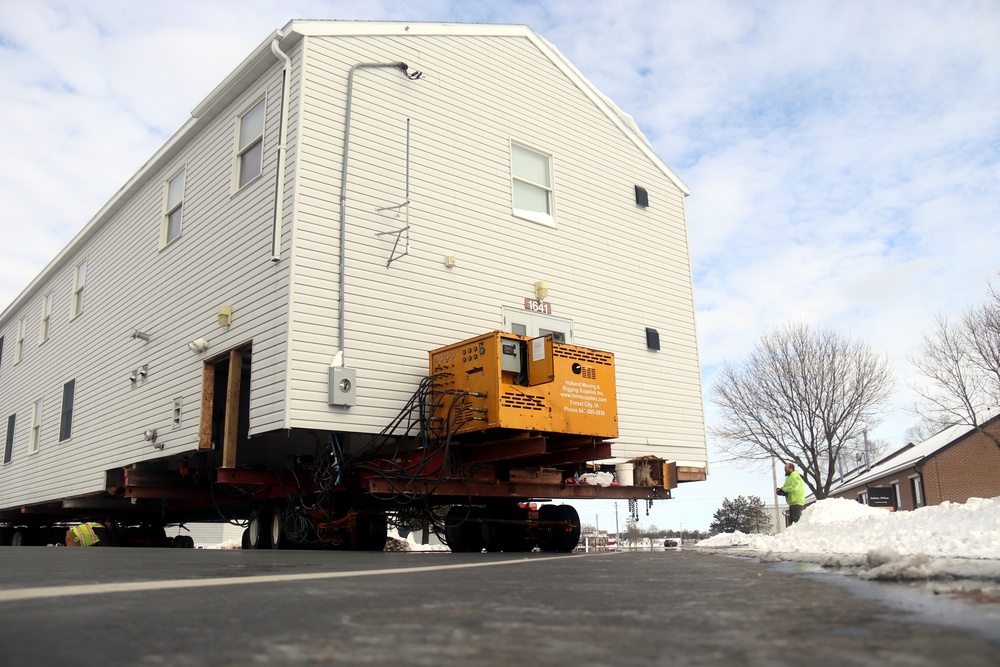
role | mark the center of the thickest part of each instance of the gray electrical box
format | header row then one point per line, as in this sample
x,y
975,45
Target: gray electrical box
x,y
510,355
342,386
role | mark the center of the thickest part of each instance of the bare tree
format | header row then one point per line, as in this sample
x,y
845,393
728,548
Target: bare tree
x,y
962,361
804,397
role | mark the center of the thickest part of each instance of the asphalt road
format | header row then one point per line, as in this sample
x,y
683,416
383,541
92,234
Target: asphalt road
x,y
86,607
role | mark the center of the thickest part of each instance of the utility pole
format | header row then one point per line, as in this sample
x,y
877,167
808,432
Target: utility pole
x,y
774,482
618,535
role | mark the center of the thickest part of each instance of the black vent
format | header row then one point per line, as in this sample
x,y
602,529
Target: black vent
x,y
641,197
652,339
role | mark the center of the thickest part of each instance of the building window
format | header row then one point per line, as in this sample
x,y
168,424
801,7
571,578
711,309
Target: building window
x,y
897,496
79,283
36,427
8,450
43,332
19,341
1,351
173,210
531,184
66,417
250,149
917,487
863,497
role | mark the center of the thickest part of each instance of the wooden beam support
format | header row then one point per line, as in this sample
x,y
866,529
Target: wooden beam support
x,y
207,406
231,433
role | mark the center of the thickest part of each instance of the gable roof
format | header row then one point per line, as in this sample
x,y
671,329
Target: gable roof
x,y
263,58
909,455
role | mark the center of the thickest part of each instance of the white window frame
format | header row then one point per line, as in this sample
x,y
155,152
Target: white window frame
x,y
916,485
66,415
19,341
863,497
171,207
79,284
537,324
36,427
242,148
545,218
8,446
46,320
897,493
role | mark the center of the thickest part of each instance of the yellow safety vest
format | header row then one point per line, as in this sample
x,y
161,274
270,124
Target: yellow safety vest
x,y
85,534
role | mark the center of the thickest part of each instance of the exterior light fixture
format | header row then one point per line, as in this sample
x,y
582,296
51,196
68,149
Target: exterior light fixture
x,y
541,290
140,335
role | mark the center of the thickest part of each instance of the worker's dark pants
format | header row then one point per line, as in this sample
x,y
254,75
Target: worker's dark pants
x,y
794,513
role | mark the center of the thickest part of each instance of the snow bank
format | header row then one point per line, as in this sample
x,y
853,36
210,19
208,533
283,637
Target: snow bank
x,y
950,539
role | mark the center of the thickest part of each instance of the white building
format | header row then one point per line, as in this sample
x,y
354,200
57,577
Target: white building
x,y
353,193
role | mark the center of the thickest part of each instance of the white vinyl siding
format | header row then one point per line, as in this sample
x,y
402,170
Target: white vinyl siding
x,y
461,186
174,297
460,182
79,289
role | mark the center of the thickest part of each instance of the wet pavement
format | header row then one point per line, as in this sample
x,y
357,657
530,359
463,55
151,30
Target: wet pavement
x,y
172,607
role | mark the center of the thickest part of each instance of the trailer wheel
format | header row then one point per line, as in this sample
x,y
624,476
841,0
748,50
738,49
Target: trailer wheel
x,y
370,533
504,528
257,534
276,525
564,533
184,542
463,530
21,538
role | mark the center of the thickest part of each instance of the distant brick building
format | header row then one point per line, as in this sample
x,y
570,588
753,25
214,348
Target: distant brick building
x,y
953,465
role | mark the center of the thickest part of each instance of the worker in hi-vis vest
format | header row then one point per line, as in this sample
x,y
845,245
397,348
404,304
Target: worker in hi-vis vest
x,y
91,534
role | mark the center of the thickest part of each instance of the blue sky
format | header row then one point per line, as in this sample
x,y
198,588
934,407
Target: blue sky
x,y
843,156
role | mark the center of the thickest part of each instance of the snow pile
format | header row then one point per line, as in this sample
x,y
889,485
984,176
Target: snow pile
x,y
950,539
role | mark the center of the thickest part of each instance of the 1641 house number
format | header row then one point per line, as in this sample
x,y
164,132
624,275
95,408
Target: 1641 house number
x,y
536,306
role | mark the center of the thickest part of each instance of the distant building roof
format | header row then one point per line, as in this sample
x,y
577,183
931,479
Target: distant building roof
x,y
906,456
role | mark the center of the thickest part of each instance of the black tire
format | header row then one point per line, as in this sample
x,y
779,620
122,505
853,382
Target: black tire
x,y
570,537
463,531
504,528
378,533
563,534
245,539
22,537
370,533
257,533
276,527
184,542
6,533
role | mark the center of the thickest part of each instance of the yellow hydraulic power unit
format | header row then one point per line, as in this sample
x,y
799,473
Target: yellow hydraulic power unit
x,y
506,381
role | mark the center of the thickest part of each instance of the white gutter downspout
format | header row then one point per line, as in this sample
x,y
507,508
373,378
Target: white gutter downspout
x,y
279,203
343,184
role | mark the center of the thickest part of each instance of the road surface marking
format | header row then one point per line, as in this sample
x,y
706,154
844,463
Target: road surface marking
x,y
17,594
